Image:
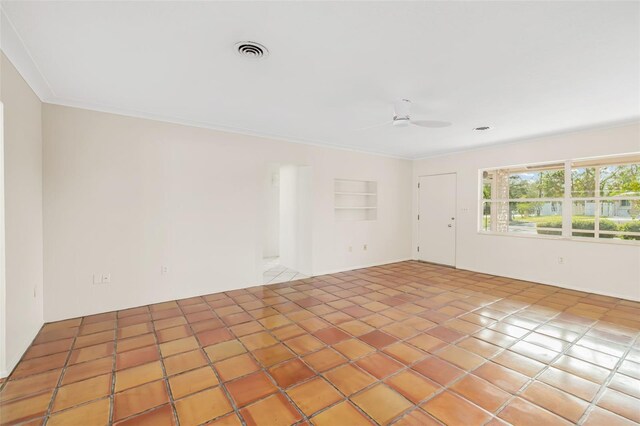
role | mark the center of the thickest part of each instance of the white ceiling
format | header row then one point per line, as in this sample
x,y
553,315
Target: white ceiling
x,y
525,68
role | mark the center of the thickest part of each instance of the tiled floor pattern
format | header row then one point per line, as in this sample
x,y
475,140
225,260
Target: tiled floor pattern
x,y
405,344
275,273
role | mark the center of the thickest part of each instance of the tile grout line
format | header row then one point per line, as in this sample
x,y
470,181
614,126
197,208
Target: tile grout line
x,y
605,385
210,364
297,356
448,386
444,388
453,343
546,367
112,395
503,349
523,308
165,378
62,373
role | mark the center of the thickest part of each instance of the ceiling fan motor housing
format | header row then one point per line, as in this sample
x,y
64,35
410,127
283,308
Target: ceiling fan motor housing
x,y
401,121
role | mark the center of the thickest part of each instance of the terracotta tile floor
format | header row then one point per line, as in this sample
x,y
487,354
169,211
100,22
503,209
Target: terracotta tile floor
x,y
407,344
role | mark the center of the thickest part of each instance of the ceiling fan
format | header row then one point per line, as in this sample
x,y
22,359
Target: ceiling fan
x,y
402,118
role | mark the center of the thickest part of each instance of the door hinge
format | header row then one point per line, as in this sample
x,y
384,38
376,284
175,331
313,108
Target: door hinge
x,y
418,185
418,217
418,248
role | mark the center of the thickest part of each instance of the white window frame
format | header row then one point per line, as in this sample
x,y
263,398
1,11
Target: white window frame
x,y
566,202
560,200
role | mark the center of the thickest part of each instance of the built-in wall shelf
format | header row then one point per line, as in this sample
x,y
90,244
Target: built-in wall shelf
x,y
355,199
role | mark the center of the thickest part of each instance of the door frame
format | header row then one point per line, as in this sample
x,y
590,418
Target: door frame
x,y
304,191
455,230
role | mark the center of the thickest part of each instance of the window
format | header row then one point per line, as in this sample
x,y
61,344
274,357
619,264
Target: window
x,y
525,200
595,198
606,198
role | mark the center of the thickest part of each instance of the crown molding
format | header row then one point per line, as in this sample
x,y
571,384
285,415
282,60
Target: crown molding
x,y
203,125
16,51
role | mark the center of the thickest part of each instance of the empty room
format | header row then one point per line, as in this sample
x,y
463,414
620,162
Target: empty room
x,y
327,213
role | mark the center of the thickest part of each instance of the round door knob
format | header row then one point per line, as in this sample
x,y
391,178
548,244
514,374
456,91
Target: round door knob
x,y
449,225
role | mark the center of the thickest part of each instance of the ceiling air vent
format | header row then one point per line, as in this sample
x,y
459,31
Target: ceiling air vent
x,y
252,50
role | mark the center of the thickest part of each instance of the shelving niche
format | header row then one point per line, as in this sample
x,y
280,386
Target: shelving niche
x,y
355,199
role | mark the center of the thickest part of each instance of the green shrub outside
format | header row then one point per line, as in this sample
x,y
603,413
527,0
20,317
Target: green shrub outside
x,y
632,226
586,224
553,223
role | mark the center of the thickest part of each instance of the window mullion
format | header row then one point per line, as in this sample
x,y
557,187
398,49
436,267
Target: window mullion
x,y
494,212
596,213
567,205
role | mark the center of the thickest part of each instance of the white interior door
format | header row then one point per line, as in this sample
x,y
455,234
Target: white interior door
x,y
437,219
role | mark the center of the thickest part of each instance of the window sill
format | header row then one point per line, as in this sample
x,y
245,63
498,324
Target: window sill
x,y
633,243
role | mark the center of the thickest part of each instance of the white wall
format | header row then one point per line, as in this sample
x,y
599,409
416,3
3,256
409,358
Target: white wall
x,y
125,196
23,313
304,220
296,213
272,212
289,216
598,267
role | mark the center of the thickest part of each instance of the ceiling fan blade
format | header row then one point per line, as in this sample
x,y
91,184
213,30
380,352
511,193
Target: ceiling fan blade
x,y
434,124
374,126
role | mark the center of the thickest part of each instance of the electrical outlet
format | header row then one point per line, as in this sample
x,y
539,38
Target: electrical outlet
x,y
561,260
164,269
364,247
97,278
106,278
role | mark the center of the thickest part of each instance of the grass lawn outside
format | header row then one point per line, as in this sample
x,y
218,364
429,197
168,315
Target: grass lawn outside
x,y
536,219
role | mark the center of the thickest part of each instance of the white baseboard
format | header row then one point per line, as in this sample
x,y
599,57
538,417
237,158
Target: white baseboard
x,y
351,268
556,284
